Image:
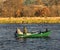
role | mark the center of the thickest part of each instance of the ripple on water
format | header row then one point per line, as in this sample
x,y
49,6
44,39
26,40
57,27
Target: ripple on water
x,y
8,41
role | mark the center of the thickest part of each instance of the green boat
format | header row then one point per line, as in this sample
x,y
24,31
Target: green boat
x,y
33,35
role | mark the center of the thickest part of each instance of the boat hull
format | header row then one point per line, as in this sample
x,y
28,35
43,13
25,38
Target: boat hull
x,y
35,35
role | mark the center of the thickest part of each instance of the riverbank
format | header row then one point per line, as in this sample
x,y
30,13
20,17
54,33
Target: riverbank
x,y
30,20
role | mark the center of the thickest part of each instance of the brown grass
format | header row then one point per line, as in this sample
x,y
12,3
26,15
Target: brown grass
x,y
30,20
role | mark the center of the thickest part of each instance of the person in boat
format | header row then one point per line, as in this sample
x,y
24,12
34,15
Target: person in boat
x,y
19,31
24,30
46,30
43,31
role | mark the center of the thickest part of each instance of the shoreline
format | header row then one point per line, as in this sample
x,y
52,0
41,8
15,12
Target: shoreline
x,y
29,20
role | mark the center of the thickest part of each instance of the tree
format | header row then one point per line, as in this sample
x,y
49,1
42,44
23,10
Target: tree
x,y
45,12
12,6
38,2
0,12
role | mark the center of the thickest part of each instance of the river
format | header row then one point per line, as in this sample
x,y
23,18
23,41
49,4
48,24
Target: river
x,y
9,42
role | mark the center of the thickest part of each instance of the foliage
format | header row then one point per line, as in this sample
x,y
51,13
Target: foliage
x,y
17,8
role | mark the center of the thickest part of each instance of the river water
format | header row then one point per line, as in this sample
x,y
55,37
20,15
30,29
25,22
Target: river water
x,y
9,42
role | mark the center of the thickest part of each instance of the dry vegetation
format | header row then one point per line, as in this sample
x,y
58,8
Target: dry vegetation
x,y
29,8
20,11
30,20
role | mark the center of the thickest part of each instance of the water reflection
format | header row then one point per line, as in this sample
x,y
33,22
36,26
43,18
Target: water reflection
x,y
26,40
22,40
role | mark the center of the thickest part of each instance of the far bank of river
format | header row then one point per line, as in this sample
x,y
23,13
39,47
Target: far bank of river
x,y
30,20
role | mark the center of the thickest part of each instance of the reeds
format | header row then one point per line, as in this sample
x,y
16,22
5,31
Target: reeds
x,y
30,20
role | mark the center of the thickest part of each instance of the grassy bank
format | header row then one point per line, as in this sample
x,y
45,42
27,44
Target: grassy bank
x,y
31,20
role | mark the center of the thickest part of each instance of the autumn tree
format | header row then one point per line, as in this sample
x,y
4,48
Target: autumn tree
x,y
45,12
11,6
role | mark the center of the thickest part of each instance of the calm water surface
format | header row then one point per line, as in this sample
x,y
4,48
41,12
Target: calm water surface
x,y
9,42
